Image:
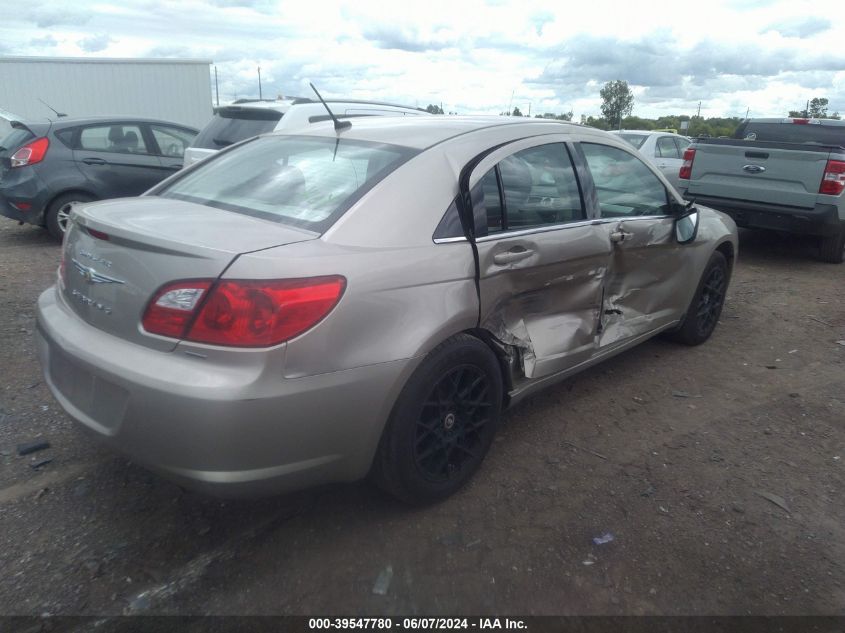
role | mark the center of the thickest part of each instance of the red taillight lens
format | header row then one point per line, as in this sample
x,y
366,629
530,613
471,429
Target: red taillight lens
x,y
31,153
833,181
239,313
686,169
801,121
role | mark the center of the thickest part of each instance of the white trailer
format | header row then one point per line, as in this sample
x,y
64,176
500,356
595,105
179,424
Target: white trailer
x,y
177,90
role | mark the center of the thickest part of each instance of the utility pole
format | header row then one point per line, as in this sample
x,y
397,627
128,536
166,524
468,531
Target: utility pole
x,y
699,110
807,110
216,86
529,109
747,110
511,102
260,95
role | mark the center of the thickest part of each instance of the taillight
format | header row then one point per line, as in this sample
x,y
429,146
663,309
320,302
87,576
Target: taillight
x,y
833,181
686,169
31,153
801,121
241,313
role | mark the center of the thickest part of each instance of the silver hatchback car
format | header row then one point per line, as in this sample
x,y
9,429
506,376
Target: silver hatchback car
x,y
302,309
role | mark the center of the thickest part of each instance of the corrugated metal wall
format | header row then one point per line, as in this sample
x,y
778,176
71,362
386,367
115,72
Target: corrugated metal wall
x,y
173,90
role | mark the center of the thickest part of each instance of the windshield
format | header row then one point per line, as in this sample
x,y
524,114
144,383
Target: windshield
x,y
636,140
233,125
304,181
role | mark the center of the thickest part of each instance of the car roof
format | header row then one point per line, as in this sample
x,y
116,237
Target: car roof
x,y
423,132
643,132
283,105
73,121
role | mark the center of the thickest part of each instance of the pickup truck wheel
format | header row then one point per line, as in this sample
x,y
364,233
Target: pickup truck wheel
x,y
442,424
832,248
706,307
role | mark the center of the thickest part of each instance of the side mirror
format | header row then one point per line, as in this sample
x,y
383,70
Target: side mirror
x,y
686,224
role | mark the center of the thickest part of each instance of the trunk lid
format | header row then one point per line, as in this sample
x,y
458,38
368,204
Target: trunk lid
x,y
119,252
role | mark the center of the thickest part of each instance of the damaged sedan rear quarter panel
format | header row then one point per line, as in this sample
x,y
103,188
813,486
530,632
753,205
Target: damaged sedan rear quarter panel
x,y
553,263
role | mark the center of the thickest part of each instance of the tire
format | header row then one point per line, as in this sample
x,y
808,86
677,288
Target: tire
x,y
703,313
832,248
442,424
57,212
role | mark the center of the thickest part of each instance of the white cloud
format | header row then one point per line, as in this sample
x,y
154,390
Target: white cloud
x,y
471,55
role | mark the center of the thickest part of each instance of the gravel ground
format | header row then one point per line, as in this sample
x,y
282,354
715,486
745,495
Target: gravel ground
x,y
718,470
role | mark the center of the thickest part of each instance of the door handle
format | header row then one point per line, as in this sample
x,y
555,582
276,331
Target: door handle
x,y
511,256
93,161
619,236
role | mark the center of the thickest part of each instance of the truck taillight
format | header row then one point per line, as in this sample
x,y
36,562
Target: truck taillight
x,y
31,153
242,313
833,181
686,169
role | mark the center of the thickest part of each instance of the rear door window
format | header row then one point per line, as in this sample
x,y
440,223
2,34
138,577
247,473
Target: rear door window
x,y
539,187
666,148
233,125
117,138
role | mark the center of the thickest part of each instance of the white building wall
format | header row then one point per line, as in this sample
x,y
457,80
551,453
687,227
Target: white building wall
x,y
175,90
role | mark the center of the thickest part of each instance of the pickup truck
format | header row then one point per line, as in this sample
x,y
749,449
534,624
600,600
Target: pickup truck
x,y
781,174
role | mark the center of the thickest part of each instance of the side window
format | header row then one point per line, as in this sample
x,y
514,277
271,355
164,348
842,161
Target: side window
x,y
666,147
539,187
171,141
624,185
123,139
683,144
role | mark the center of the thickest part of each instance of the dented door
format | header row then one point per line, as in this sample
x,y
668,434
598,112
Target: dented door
x,y
646,262
541,262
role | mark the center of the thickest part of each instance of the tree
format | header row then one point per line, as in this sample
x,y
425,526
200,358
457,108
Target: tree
x,y
617,101
433,109
566,116
817,109
516,111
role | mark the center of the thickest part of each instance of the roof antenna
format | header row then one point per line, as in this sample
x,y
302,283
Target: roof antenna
x,y
58,114
338,125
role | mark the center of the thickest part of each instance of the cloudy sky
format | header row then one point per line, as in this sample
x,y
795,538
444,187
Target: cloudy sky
x,y
473,56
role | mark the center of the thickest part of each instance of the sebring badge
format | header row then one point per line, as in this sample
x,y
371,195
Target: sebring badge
x,y
92,276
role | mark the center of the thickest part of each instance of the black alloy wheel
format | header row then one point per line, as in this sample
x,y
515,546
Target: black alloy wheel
x,y
450,427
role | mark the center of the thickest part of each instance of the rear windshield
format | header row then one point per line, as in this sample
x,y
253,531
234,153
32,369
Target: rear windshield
x,y
233,125
304,181
636,140
792,133
13,140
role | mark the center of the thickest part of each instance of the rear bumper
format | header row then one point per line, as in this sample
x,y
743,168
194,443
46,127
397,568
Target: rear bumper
x,y
823,219
228,431
23,186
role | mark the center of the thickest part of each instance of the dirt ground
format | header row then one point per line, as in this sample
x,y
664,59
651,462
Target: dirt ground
x,y
718,470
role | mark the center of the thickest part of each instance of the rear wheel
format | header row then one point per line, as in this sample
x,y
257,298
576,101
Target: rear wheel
x,y
58,212
832,248
706,307
443,423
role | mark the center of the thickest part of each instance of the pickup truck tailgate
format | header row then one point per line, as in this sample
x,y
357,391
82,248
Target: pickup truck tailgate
x,y
759,174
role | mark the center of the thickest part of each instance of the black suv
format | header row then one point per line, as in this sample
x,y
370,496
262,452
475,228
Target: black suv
x,y
47,167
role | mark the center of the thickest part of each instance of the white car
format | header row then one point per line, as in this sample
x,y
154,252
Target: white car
x,y
242,120
662,149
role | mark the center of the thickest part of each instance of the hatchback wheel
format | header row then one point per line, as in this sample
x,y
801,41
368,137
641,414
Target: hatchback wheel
x,y
706,307
443,423
58,213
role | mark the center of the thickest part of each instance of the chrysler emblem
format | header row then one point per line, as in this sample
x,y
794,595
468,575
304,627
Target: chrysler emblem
x,y
92,276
